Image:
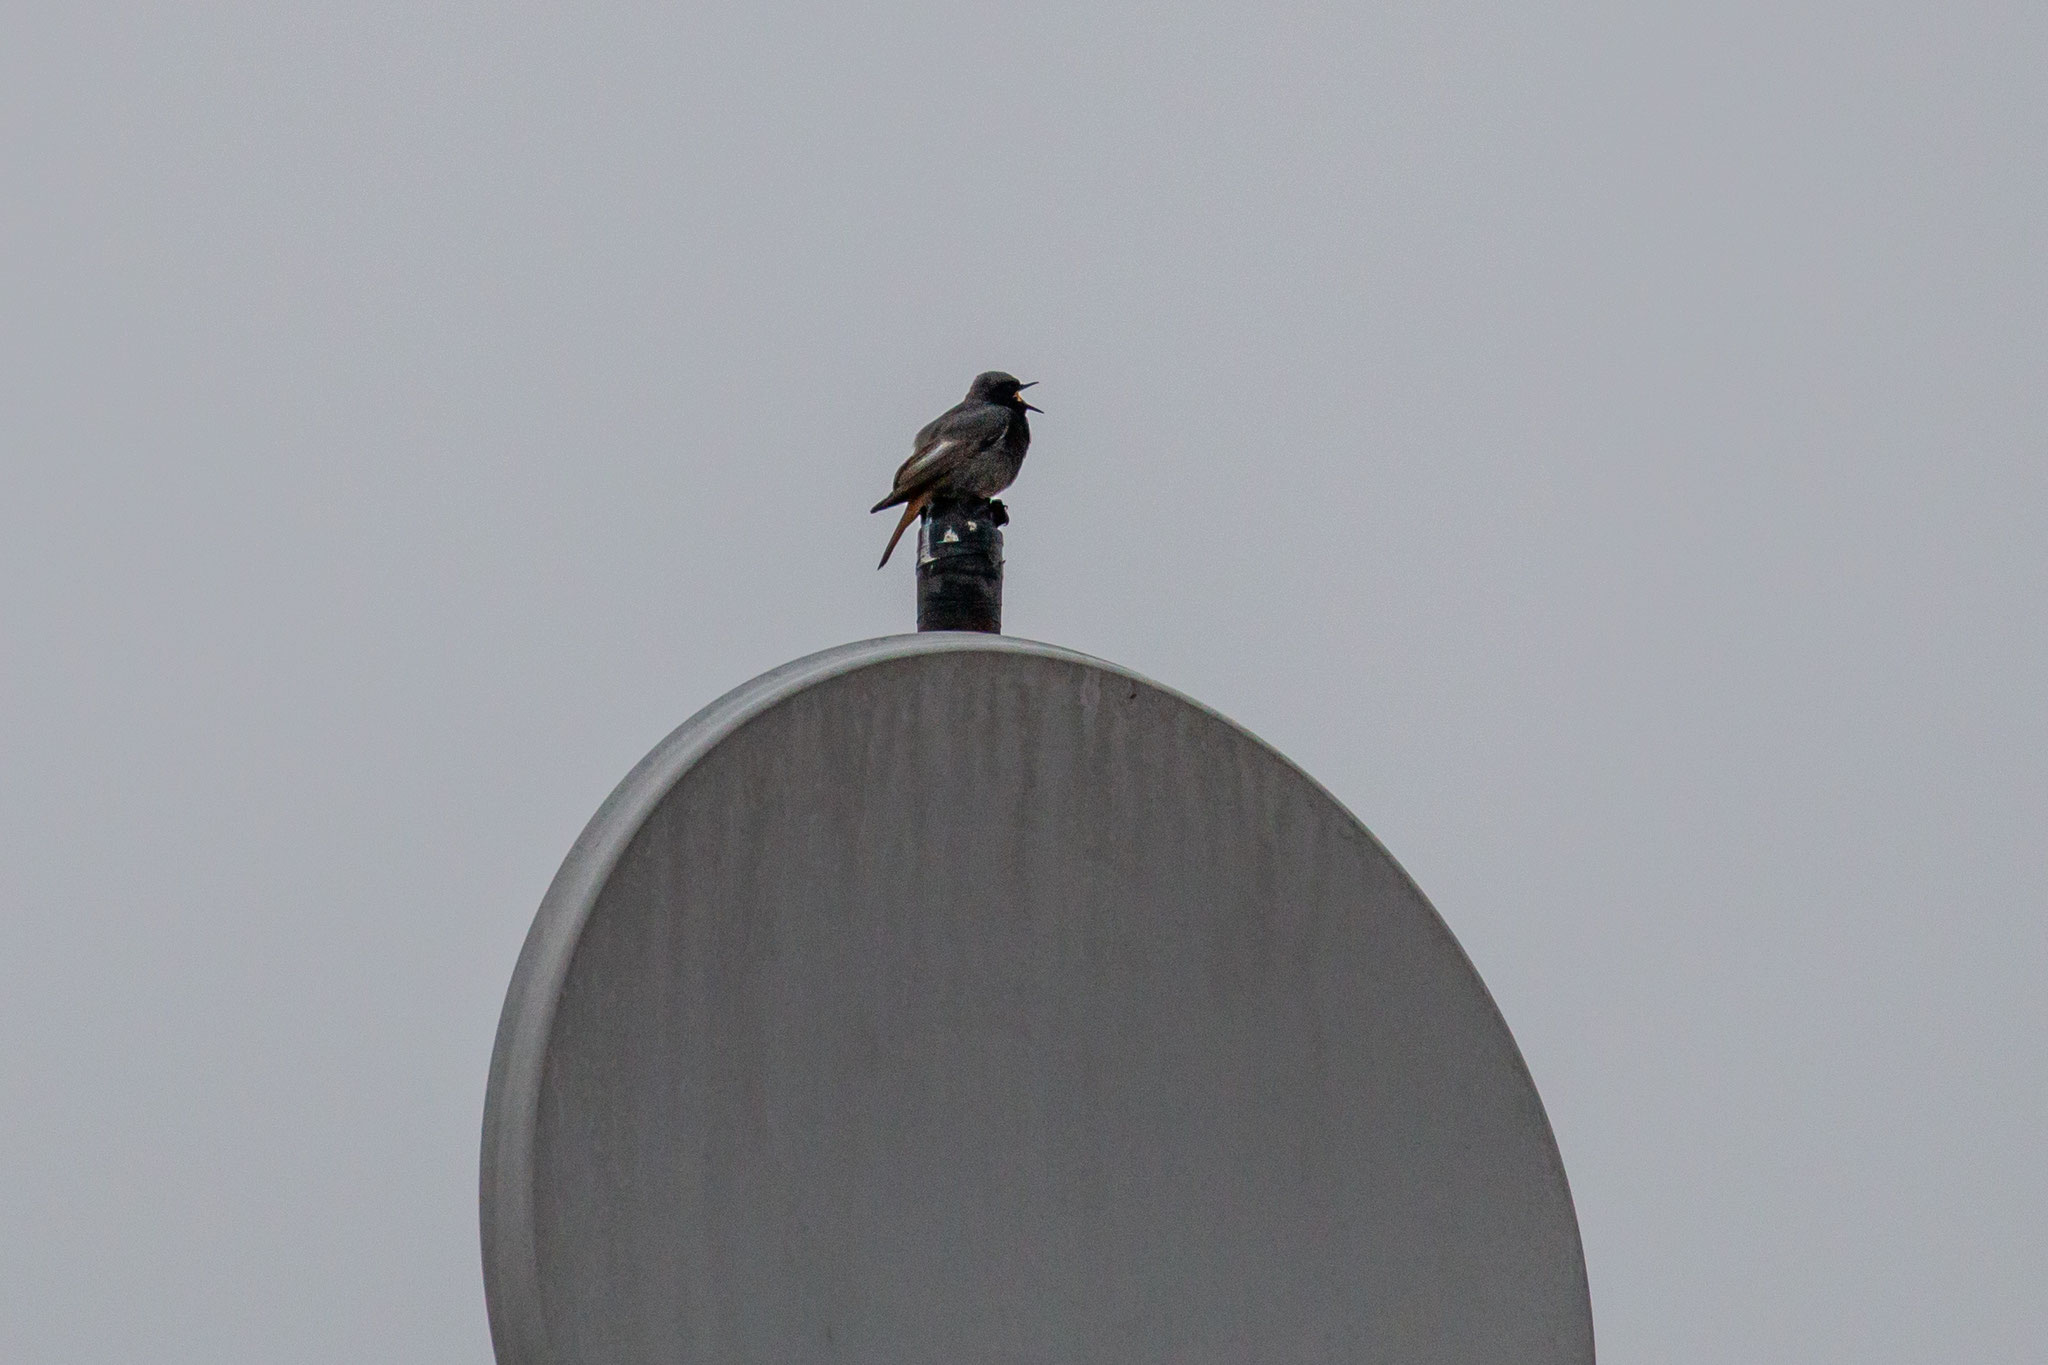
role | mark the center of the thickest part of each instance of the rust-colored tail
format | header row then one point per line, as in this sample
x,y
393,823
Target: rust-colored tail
x,y
910,511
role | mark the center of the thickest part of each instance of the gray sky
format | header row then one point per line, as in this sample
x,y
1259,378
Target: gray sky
x,y
1604,445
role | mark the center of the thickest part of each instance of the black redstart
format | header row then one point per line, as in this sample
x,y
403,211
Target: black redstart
x,y
972,450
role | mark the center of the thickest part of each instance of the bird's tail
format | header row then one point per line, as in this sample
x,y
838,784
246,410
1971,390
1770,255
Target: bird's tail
x,y
910,511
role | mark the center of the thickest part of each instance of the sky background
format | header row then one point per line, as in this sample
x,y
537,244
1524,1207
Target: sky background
x,y
1606,444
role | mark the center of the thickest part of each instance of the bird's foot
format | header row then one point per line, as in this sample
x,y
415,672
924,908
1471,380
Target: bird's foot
x,y
998,515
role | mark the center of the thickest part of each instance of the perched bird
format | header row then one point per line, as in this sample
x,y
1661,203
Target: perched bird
x,y
972,450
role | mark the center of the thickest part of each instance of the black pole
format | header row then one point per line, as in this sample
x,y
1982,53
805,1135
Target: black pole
x,y
960,565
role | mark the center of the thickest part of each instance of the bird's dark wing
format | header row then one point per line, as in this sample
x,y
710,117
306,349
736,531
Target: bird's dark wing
x,y
946,443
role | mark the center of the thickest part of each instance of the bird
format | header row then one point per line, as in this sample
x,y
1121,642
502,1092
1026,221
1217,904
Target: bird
x,y
972,450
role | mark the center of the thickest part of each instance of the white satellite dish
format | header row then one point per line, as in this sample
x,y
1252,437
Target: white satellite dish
x,y
951,998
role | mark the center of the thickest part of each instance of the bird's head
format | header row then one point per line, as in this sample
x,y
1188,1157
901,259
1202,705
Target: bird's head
x,y
997,387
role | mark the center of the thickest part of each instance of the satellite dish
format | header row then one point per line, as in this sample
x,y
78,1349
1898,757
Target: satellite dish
x,y
951,998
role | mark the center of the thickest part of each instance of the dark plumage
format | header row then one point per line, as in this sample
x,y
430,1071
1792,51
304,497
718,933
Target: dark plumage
x,y
973,450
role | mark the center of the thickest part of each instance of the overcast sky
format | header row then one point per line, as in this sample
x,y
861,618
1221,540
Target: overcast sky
x,y
1607,446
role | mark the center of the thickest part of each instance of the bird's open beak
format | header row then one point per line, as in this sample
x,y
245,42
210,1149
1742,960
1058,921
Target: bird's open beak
x,y
1027,406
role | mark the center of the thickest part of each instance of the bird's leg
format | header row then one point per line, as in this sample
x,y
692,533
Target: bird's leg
x,y
998,515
